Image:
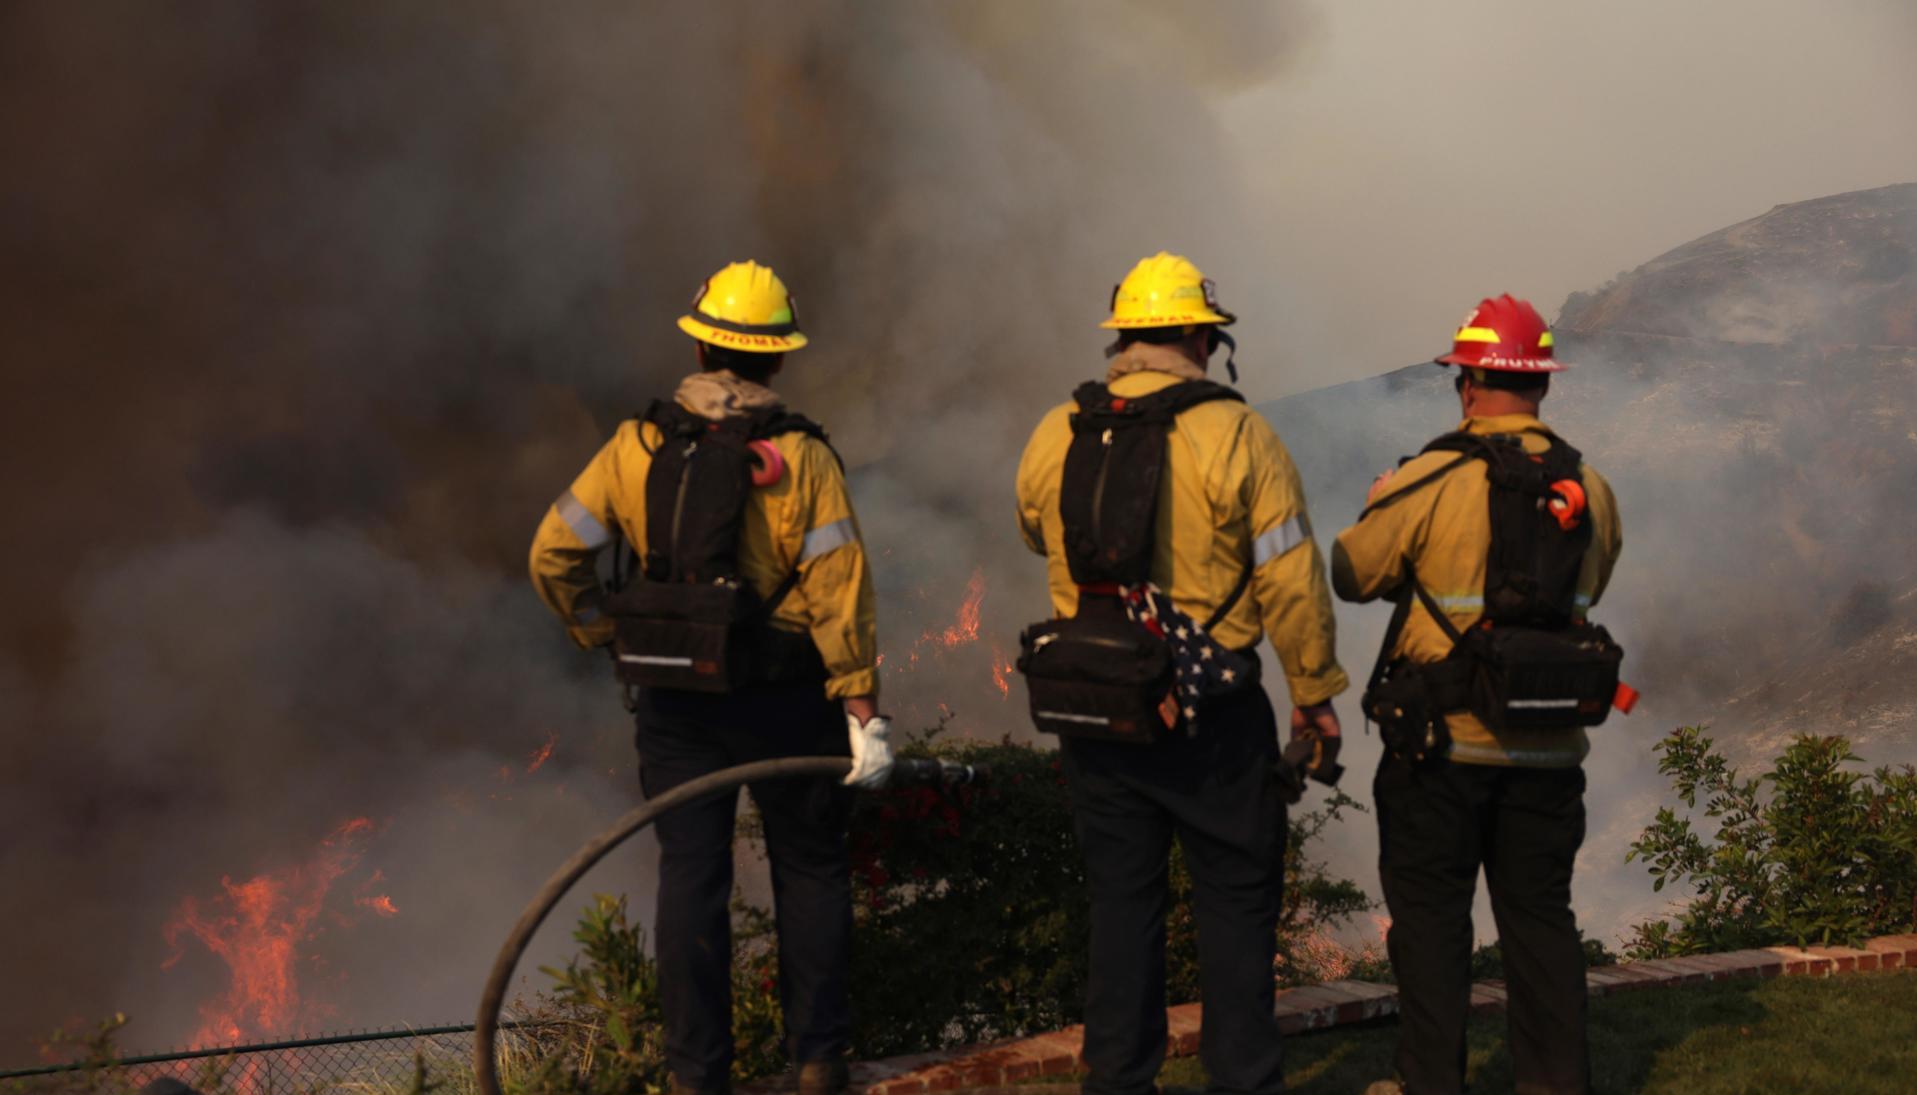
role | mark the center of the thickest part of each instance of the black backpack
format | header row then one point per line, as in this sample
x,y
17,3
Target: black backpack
x,y
1529,663
689,620
1098,674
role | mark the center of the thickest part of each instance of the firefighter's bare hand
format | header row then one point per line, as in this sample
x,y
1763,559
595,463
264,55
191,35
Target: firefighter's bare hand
x,y
1378,485
871,750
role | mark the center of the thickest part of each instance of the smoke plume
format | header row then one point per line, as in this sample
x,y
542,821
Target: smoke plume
x,y
311,311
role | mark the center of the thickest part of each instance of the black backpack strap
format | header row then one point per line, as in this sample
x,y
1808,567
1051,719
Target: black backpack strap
x,y
672,419
1173,401
1437,611
1094,404
779,421
1231,599
1400,615
1469,446
779,592
1096,401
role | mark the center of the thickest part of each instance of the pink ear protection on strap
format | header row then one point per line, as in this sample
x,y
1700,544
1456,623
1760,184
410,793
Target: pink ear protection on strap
x,y
771,467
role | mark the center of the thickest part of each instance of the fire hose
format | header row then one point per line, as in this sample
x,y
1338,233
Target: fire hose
x,y
906,772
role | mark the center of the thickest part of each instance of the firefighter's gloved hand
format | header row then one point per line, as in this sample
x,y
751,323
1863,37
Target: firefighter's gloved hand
x,y
1315,739
871,751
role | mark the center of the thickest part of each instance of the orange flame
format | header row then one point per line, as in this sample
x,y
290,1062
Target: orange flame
x,y
257,928
382,905
965,629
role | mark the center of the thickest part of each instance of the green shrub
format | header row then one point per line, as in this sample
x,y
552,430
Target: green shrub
x,y
1809,852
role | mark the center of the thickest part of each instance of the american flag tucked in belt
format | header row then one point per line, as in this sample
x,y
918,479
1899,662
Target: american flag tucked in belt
x,y
1204,667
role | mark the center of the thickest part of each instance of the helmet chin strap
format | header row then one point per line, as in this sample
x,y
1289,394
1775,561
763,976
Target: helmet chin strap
x,y
1231,351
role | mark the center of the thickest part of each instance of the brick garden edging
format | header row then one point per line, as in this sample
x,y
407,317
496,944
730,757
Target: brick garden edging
x,y
1337,1003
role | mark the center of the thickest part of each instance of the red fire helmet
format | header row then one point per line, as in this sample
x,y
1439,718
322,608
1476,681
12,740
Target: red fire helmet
x,y
1504,334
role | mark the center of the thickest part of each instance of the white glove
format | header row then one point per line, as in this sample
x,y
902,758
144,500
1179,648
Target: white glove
x,y
871,752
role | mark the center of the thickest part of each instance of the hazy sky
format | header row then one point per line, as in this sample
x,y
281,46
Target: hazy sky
x,y
1413,157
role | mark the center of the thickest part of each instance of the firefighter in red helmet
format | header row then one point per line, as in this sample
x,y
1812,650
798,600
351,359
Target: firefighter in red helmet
x,y
1494,543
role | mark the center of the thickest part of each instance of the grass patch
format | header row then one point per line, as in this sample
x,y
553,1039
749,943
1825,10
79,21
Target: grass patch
x,y
1854,1033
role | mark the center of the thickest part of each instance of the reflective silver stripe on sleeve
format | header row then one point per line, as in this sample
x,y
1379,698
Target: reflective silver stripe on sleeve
x,y
584,525
1468,602
826,538
1279,539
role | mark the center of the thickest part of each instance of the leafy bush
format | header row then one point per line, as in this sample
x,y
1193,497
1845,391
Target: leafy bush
x,y
1809,852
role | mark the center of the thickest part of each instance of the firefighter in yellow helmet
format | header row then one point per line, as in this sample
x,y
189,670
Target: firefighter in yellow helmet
x,y
1175,535
748,625
1494,542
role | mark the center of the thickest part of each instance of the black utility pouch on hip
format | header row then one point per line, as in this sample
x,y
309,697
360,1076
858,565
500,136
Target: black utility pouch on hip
x,y
1402,699
1525,678
679,635
1097,676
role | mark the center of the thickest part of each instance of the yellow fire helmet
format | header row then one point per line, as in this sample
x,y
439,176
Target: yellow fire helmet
x,y
744,307
1165,290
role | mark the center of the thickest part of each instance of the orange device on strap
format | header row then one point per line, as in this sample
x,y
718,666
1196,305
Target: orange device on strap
x,y
771,467
1567,503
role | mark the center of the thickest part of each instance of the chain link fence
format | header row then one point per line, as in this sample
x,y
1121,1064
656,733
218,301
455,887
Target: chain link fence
x,y
372,1062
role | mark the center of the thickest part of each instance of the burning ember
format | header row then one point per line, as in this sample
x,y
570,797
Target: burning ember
x,y
542,754
965,630
258,927
1001,672
381,904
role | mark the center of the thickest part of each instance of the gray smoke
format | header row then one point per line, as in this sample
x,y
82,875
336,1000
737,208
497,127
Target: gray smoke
x,y
312,313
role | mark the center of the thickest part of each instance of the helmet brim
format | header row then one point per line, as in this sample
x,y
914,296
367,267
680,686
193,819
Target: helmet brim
x,y
1203,317
1505,364
733,340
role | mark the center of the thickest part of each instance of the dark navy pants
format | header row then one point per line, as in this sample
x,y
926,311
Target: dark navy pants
x,y
1215,793
1437,825
684,735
